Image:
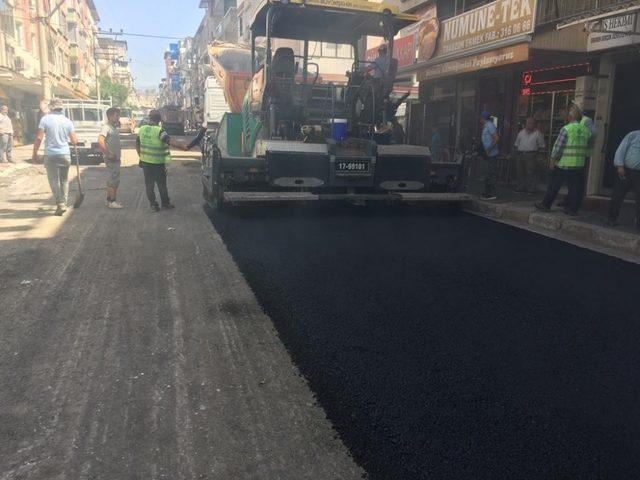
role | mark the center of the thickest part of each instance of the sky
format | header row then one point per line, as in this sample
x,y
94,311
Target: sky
x,y
172,18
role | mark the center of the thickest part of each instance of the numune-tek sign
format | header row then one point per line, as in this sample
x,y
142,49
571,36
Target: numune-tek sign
x,y
499,20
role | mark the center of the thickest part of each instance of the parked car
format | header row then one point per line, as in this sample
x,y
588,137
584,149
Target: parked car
x,y
127,122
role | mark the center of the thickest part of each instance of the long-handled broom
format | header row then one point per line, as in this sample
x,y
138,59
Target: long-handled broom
x,y
80,195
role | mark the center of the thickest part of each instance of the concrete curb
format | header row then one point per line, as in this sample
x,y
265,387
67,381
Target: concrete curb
x,y
557,223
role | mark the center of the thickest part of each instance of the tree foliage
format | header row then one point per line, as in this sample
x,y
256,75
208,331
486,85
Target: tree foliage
x,y
110,89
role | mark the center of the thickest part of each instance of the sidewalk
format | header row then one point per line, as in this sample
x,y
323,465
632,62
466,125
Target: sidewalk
x,y
588,228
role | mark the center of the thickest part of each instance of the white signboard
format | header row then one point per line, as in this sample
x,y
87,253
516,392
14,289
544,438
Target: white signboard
x,y
612,32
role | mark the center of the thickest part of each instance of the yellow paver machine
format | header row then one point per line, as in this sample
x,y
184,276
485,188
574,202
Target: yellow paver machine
x,y
300,138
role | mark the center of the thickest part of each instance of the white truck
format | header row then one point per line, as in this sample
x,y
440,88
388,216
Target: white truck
x,y
87,116
215,105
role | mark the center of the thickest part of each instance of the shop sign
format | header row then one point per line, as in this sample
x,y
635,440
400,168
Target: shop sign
x,y
428,29
619,31
404,50
495,58
559,78
420,37
496,21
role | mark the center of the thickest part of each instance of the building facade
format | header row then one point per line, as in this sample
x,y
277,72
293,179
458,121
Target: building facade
x,y
525,58
113,61
66,33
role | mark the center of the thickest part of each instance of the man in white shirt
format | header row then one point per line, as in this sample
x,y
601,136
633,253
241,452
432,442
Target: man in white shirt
x,y
6,135
529,144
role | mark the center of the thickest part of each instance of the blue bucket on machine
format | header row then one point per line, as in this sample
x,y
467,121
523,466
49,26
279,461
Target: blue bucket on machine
x,y
339,129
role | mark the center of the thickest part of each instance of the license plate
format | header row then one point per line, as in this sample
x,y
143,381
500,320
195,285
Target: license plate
x,y
352,166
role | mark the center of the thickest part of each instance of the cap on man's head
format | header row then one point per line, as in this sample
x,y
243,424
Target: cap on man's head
x,y
56,104
485,115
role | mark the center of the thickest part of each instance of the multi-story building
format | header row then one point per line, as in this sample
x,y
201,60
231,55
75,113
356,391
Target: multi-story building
x,y
526,58
82,19
68,38
113,61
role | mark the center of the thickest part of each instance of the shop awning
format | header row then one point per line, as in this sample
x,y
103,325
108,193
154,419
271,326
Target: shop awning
x,y
421,66
599,14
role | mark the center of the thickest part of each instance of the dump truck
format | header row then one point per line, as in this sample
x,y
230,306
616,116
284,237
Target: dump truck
x,y
173,119
298,138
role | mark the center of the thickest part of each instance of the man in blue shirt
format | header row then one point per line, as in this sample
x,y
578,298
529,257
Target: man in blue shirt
x,y
490,139
380,65
627,163
57,132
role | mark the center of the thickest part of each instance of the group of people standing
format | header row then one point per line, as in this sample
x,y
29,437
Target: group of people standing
x,y
153,142
567,162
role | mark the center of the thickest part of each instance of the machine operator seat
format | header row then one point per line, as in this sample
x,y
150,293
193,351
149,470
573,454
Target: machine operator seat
x,y
282,74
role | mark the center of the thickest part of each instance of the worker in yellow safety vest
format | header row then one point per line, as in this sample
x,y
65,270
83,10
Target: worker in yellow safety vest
x,y
152,145
568,160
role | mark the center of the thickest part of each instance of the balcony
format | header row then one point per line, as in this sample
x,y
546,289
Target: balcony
x,y
558,10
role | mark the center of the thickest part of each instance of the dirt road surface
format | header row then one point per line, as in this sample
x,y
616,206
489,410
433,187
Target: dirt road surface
x,y
132,347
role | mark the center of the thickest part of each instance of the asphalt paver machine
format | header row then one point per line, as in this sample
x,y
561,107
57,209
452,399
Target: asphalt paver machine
x,y
300,138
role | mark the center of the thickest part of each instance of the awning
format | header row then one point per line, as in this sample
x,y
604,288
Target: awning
x,y
421,66
600,13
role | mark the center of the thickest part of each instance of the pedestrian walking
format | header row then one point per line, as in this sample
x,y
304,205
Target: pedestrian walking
x,y
568,159
152,145
6,136
490,139
109,145
627,163
529,145
57,131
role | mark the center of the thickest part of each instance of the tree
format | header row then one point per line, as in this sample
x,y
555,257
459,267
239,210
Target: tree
x,y
108,88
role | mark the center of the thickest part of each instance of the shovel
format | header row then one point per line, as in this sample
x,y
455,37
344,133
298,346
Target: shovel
x,y
80,195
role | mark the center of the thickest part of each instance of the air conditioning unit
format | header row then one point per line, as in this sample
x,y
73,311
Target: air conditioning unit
x,y
18,64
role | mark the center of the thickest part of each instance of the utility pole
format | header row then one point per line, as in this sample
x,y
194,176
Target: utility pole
x,y
97,67
44,49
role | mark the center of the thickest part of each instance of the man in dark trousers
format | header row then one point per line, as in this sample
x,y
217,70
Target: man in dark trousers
x,y
152,146
627,163
568,160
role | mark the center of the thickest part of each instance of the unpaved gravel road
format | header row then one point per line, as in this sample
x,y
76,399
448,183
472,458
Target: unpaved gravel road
x,y
132,348
450,347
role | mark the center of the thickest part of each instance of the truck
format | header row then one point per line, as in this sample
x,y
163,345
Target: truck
x,y
215,102
173,119
87,116
297,138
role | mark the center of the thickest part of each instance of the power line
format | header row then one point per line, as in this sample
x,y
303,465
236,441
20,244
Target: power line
x,y
146,35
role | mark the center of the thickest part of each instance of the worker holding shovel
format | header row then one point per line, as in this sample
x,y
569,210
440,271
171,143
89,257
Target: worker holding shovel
x,y
58,132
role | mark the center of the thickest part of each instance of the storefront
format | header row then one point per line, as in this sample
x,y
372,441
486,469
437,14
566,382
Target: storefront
x,y
615,38
470,63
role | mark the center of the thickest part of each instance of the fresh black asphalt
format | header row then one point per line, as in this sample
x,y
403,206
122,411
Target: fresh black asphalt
x,y
445,346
